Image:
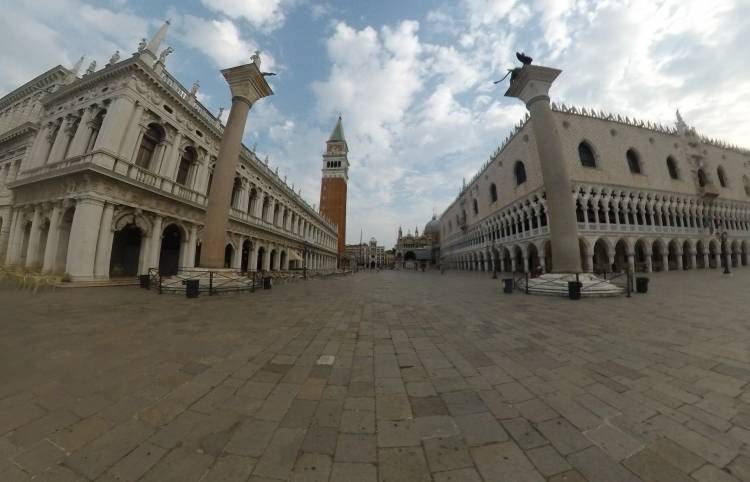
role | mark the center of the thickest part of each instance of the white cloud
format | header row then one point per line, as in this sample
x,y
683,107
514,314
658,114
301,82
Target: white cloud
x,y
266,15
220,40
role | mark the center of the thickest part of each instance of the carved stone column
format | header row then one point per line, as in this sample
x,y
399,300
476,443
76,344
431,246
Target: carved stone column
x,y
53,239
172,157
104,245
532,86
34,237
247,86
82,134
84,233
113,127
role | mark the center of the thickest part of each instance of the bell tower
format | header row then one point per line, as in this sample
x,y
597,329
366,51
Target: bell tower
x,y
334,182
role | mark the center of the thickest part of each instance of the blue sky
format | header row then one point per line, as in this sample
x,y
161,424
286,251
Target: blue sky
x,y
413,79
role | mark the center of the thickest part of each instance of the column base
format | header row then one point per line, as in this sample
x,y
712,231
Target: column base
x,y
556,284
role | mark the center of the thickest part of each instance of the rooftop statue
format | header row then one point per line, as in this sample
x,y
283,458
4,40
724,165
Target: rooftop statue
x,y
164,53
524,59
142,45
92,68
115,58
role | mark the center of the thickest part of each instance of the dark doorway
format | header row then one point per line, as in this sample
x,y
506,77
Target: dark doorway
x,y
261,255
169,256
372,264
246,247
126,252
228,255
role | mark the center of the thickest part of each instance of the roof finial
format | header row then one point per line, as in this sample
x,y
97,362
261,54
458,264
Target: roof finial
x,y
77,66
155,43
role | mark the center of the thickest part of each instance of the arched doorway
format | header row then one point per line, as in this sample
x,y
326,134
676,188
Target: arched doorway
x,y
743,251
621,256
272,264
169,255
700,256
25,243
410,260
372,264
282,260
261,258
601,257
548,256
126,252
228,255
518,256
533,258
640,256
246,248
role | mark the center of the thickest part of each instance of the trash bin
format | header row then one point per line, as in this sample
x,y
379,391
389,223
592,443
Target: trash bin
x,y
641,284
192,288
145,281
574,290
507,285
267,282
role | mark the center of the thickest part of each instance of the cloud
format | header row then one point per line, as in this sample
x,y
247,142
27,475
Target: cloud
x,y
37,35
265,15
220,40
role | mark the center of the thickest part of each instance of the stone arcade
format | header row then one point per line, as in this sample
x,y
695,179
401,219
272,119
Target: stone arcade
x,y
107,175
642,196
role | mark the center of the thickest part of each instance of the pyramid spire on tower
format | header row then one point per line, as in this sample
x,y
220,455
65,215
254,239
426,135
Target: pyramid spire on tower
x,y
338,132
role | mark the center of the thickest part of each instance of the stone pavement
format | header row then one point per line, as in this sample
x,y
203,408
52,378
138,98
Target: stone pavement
x,y
378,377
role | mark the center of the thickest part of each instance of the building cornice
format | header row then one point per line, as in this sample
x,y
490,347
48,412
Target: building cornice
x,y
39,82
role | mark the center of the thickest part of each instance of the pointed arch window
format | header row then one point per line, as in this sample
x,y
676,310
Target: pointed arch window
x,y
187,161
586,155
672,168
251,200
475,205
151,138
746,181
493,193
236,187
519,170
702,181
634,161
722,176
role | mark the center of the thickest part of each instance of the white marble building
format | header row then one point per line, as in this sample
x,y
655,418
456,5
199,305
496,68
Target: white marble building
x,y
106,175
648,196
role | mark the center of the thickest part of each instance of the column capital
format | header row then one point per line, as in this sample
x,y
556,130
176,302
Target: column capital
x,y
247,83
533,83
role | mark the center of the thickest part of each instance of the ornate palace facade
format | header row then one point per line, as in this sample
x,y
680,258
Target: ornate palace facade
x,y
648,197
107,174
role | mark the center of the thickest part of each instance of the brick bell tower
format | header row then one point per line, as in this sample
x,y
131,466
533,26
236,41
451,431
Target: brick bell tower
x,y
333,184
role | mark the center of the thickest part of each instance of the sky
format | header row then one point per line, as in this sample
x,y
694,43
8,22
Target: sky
x,y
412,79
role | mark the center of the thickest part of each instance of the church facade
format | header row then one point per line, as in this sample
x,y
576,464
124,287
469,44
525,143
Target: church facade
x,y
415,251
648,197
106,175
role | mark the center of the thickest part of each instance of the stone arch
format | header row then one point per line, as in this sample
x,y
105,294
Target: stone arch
x,y
173,238
229,253
586,154
128,249
283,260
659,253
247,248
622,252
602,252
743,253
534,263
518,258
272,259
261,258
642,255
